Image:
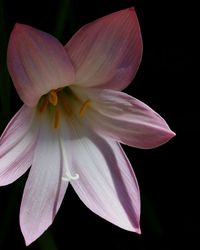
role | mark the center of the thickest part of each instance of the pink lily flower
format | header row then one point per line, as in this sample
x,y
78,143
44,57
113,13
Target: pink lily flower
x,y
73,120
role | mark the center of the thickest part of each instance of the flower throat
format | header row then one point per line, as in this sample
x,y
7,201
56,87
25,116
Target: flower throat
x,y
62,99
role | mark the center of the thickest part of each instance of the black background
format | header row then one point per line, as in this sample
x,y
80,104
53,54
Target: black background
x,y
167,175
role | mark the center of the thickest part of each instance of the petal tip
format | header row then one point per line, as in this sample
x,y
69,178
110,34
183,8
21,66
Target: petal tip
x,y
138,230
166,136
131,9
170,134
29,237
19,26
27,242
134,227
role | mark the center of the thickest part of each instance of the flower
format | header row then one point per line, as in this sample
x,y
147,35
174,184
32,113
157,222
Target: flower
x,y
73,120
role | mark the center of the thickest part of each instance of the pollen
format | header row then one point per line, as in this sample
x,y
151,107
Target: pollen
x,y
84,107
53,97
57,118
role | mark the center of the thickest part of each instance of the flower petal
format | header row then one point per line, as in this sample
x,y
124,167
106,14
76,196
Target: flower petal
x,y
37,63
108,51
44,190
124,118
17,146
107,184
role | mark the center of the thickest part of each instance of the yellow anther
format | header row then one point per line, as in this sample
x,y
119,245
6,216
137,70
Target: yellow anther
x,y
57,118
44,104
53,97
84,107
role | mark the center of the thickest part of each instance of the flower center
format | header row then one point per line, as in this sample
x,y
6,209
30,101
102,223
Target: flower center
x,y
62,99
58,102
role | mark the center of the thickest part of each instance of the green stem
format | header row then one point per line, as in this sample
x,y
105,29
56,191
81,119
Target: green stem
x,y
62,16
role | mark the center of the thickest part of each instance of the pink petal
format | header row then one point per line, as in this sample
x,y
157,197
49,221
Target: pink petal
x,y
125,119
107,184
44,190
17,146
108,51
37,63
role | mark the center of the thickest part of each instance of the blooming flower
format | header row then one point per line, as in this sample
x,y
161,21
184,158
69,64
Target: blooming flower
x,y
73,119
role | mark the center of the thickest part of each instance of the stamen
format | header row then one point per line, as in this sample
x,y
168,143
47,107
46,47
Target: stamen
x,y
53,98
84,107
68,176
44,104
57,118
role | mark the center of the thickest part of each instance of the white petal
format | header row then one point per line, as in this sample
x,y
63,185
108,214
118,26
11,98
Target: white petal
x,y
107,184
44,189
124,118
17,145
